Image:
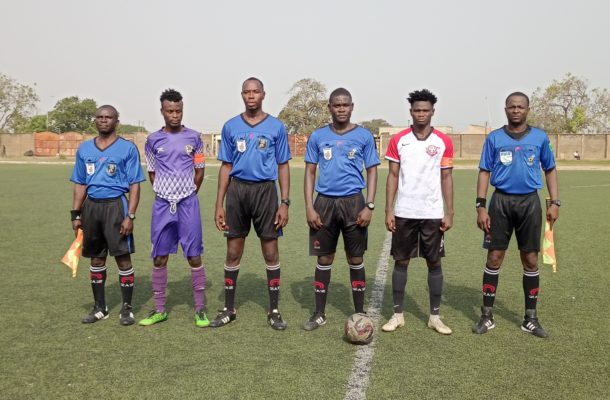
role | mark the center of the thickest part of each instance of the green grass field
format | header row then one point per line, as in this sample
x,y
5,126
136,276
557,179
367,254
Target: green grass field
x,y
46,353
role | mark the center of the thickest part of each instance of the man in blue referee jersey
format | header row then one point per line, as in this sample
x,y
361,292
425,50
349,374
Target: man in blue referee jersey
x,y
106,168
342,150
254,154
512,157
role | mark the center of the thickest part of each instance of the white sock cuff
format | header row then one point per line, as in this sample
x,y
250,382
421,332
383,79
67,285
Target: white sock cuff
x,y
126,272
97,269
531,273
273,267
235,268
359,266
324,267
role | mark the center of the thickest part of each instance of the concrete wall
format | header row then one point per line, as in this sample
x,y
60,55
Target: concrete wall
x,y
465,146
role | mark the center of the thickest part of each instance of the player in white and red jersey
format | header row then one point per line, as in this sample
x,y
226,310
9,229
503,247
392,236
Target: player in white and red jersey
x,y
421,162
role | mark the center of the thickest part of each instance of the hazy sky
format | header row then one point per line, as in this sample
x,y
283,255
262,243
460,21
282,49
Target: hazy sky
x,y
126,52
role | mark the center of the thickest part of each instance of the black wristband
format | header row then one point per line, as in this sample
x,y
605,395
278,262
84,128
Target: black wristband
x,y
481,202
74,215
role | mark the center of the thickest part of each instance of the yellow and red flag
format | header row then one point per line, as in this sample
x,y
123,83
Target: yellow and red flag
x,y
73,254
548,247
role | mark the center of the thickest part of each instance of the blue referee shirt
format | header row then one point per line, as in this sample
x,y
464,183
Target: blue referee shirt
x,y
515,163
107,173
254,150
341,159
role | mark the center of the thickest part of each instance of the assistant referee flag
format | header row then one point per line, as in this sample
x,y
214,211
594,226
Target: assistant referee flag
x,y
548,247
73,254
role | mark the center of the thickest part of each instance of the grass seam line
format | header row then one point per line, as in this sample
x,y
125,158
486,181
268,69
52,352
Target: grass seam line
x,y
363,361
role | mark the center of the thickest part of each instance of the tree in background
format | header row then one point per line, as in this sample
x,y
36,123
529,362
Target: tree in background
x,y
126,128
73,115
17,103
568,106
374,125
306,110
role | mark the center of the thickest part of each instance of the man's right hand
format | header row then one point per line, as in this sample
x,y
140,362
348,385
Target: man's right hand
x,y
483,221
219,218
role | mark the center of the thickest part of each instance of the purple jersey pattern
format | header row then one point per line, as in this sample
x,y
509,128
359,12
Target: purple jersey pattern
x,y
171,156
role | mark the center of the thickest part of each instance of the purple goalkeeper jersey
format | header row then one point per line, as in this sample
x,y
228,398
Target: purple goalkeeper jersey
x,y
173,158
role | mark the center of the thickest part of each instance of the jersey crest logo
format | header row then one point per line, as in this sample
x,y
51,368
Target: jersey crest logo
x,y
328,153
432,150
352,154
160,150
506,157
111,169
530,159
90,168
241,145
262,143
189,149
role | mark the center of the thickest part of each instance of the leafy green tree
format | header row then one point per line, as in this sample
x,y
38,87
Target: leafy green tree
x,y
600,110
374,124
17,103
564,106
38,123
306,110
72,114
126,128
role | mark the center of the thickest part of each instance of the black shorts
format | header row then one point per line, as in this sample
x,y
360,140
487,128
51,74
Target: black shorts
x,y
418,238
338,215
251,203
101,222
521,213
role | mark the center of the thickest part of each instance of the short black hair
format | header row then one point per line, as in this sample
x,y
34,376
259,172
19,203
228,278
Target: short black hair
x,y
339,92
252,78
171,95
109,107
517,94
422,95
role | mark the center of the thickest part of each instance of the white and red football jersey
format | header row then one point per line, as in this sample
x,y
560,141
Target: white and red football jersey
x,y
419,182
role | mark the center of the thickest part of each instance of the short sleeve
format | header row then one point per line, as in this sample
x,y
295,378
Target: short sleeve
x,y
133,168
311,152
392,150
282,150
149,154
447,160
371,158
79,172
487,154
547,158
226,145
198,156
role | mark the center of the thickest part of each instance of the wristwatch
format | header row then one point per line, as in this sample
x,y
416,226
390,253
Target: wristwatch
x,y
285,201
556,202
131,216
370,205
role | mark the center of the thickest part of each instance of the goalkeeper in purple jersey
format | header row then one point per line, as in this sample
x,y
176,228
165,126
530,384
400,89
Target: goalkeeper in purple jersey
x,y
174,155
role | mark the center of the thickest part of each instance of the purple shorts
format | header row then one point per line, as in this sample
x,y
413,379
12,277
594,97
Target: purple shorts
x,y
171,225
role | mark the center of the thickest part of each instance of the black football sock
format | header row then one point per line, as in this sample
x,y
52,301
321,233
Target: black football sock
x,y
490,285
97,275
230,286
273,285
531,285
126,281
435,289
399,282
320,285
358,280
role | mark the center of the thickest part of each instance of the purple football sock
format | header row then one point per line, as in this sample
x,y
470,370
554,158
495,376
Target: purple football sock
x,y
198,281
159,284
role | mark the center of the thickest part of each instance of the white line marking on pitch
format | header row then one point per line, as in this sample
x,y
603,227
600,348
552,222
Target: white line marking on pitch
x,y
363,362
